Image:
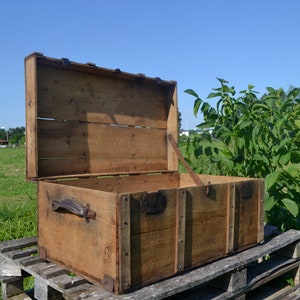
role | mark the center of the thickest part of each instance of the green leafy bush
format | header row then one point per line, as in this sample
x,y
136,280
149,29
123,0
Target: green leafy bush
x,y
253,137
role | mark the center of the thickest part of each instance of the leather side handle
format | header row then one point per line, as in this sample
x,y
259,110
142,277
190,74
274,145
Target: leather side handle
x,y
75,208
173,143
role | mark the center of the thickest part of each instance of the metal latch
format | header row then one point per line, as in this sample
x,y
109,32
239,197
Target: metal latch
x,y
246,189
153,203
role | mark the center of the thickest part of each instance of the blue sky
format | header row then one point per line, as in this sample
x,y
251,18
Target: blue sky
x,y
193,42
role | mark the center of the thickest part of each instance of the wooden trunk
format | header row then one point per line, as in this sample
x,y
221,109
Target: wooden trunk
x,y
112,206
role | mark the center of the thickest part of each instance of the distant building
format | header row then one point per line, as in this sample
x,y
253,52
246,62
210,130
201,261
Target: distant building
x,y
184,132
3,143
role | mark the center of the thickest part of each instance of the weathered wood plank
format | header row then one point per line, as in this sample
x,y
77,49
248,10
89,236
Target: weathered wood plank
x,y
8,270
17,244
94,148
248,216
83,167
31,115
66,94
292,250
29,261
51,270
42,291
93,141
12,287
124,242
67,282
22,296
152,240
128,184
96,239
206,224
261,210
180,230
172,128
272,270
230,241
259,274
22,253
295,295
90,292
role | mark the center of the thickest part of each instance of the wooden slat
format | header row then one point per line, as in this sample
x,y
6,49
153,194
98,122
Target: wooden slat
x,y
31,260
128,184
67,94
180,230
152,241
124,242
247,217
230,241
275,292
94,141
172,129
22,253
80,167
186,179
206,224
18,244
51,270
95,148
67,282
268,270
31,115
261,210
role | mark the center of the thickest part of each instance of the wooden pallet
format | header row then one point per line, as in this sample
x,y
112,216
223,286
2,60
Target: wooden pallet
x,y
233,277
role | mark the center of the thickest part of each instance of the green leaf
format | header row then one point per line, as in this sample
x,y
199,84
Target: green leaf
x,y
208,151
222,81
297,123
205,107
260,107
213,95
283,142
255,132
293,93
291,206
271,90
197,104
191,92
271,179
242,106
240,143
269,203
285,158
260,157
244,124
293,171
250,86
291,282
269,101
198,151
295,156
227,132
275,159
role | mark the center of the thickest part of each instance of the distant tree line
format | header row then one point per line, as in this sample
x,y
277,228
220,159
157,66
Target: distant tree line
x,y
14,136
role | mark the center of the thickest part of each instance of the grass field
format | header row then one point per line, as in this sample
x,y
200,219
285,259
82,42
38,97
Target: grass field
x,y
17,196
